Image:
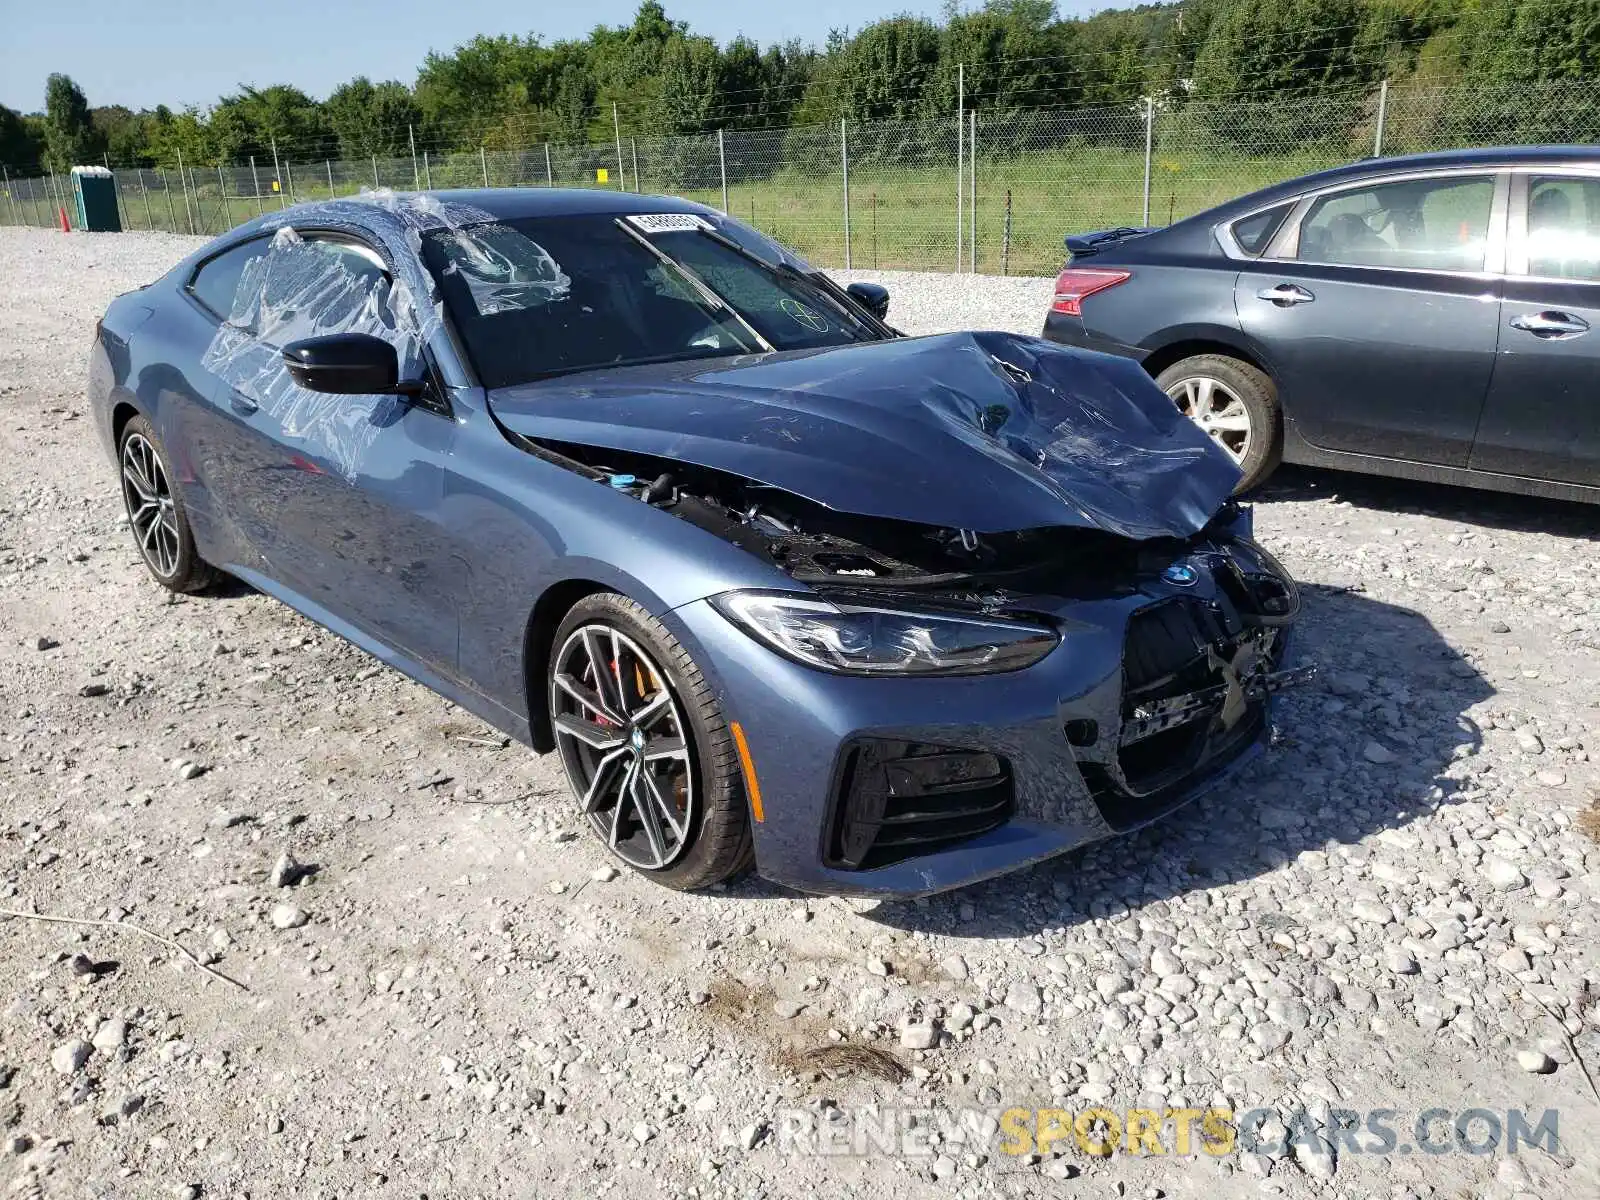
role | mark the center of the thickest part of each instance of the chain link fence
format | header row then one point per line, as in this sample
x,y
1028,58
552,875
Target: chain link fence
x,y
989,191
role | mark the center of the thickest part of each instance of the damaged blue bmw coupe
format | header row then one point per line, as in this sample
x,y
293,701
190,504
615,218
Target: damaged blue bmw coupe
x,y
874,614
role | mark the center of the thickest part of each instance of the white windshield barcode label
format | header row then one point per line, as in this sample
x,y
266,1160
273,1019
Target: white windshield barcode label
x,y
667,222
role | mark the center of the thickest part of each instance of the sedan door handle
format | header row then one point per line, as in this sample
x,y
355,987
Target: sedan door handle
x,y
1550,325
1286,295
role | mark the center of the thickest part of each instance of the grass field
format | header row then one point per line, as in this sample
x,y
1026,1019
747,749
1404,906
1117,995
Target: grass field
x,y
900,217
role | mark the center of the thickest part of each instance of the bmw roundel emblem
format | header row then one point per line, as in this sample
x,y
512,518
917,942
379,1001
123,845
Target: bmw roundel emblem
x,y
1180,575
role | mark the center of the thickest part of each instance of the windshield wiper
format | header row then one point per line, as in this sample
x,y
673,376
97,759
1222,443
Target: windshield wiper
x,y
700,285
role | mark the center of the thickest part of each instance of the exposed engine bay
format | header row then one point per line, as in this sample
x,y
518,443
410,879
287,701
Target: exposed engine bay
x,y
832,551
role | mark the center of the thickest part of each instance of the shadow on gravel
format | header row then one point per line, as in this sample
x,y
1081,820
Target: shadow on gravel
x,y
1387,677
1471,506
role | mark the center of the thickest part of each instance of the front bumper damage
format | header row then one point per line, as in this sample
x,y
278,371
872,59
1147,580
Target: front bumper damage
x,y
1157,694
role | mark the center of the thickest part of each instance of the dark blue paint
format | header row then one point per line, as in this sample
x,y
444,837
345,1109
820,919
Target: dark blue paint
x,y
434,555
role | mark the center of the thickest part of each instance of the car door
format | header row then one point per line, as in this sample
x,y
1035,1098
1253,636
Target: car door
x,y
1542,417
1378,304
340,495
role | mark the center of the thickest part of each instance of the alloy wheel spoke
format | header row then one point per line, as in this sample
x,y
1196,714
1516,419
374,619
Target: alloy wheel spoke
x,y
660,801
605,683
596,737
666,747
1234,420
645,809
587,697
605,769
624,792
653,709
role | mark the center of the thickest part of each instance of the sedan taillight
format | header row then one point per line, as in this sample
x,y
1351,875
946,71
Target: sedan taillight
x,y
1075,284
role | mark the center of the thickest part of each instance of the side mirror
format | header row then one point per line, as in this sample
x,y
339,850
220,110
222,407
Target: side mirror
x,y
347,364
873,297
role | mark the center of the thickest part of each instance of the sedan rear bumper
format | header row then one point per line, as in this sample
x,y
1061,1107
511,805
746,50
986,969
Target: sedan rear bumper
x,y
1070,331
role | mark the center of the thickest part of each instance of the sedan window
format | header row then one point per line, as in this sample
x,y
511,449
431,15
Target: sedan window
x,y
1564,227
1435,224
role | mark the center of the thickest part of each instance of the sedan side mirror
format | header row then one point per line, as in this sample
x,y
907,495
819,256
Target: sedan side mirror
x,y
347,364
873,297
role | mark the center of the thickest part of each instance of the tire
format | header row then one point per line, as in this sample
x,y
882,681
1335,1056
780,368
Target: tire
x,y
697,832
1197,384
156,516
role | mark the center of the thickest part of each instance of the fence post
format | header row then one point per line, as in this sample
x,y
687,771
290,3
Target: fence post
x,y
183,182
172,211
1005,239
844,162
549,174
1383,116
116,187
255,185
144,189
1149,144
483,161
416,179
227,209
961,127
278,177
722,166
375,184
972,192
633,142
328,162
5,177
288,183
616,128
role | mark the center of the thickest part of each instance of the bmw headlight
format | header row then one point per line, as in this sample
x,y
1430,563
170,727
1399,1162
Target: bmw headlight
x,y
856,639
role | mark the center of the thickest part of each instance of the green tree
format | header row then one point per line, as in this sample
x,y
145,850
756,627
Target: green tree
x,y
888,69
689,86
19,147
70,138
1273,48
371,119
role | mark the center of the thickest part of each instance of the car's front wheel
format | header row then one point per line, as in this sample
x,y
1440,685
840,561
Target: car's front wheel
x,y
1233,403
155,511
646,748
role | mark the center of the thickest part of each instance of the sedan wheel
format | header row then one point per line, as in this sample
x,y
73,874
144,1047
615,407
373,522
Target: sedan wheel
x,y
621,736
148,497
1235,404
1221,414
155,512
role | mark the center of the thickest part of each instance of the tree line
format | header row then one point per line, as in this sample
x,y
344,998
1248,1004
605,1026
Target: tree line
x,y
660,78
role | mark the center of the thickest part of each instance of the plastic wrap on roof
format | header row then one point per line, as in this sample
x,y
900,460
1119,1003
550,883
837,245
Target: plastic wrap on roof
x,y
300,289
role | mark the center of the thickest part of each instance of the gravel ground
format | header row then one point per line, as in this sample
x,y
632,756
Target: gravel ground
x,y
452,994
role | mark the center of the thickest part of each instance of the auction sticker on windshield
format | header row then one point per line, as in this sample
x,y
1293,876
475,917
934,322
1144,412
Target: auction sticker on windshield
x,y
667,222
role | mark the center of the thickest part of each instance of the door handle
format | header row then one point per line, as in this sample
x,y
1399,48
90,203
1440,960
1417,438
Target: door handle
x,y
1286,295
1551,325
242,405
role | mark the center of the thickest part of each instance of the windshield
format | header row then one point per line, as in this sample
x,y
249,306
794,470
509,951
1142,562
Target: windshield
x,y
545,296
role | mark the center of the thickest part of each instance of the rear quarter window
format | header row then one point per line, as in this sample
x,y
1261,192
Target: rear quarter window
x,y
1255,232
216,282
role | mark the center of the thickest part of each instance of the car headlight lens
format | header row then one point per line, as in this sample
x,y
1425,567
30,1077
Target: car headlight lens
x,y
865,640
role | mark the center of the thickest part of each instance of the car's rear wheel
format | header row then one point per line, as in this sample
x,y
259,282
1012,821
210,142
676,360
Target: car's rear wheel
x,y
155,512
646,748
1235,404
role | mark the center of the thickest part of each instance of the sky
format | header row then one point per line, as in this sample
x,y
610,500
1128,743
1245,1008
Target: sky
x,y
179,52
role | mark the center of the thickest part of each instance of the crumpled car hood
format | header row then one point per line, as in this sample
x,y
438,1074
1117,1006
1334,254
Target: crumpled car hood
x,y
987,432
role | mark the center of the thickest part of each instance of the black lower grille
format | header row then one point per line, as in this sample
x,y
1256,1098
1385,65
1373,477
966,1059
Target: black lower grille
x,y
1175,650
895,800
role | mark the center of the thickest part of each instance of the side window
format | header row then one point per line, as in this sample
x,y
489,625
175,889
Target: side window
x,y
1439,224
317,286
1564,227
217,280
1254,232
